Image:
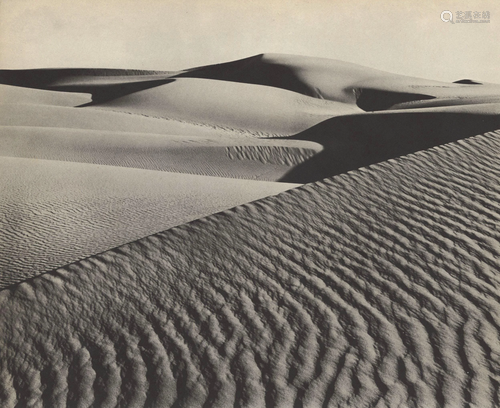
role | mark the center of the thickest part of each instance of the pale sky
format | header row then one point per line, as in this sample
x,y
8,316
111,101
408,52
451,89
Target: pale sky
x,y
400,36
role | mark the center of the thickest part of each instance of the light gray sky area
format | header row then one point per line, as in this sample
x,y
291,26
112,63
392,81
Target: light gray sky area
x,y
401,36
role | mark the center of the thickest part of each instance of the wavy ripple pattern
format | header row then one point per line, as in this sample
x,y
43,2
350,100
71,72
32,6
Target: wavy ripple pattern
x,y
376,288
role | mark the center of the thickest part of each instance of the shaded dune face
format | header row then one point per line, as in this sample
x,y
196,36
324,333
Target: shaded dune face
x,y
378,287
355,141
376,100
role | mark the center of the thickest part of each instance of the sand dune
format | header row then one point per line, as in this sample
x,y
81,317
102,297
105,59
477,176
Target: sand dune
x,y
355,141
53,213
79,80
374,288
368,88
14,94
138,270
346,83
21,114
221,157
263,110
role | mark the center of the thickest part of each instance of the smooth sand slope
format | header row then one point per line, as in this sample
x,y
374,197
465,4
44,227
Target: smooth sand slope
x,y
53,212
379,287
224,156
262,110
15,94
369,89
38,115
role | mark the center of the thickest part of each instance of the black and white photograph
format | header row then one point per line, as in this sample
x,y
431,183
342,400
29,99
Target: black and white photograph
x,y
253,203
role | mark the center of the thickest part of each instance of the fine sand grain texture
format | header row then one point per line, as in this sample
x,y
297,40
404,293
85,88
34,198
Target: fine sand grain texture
x,y
53,212
379,287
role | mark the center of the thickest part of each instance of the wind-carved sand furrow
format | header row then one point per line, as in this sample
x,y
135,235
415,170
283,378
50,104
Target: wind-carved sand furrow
x,y
215,369
481,204
455,281
376,298
271,279
257,326
190,389
359,338
445,207
426,214
81,377
281,343
399,234
477,150
469,308
264,284
482,242
270,154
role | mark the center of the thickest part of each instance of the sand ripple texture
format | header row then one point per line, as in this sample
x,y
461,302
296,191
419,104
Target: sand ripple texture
x,y
53,213
375,288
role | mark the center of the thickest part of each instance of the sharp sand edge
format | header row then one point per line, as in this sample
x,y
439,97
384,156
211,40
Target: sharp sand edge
x,y
53,213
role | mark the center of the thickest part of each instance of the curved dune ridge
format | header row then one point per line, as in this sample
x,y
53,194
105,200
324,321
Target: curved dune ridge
x,y
334,80
223,156
264,110
53,213
378,287
351,86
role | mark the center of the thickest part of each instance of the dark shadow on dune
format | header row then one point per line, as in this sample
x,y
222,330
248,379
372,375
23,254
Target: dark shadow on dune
x,y
47,78
107,93
252,71
467,82
103,84
376,100
356,141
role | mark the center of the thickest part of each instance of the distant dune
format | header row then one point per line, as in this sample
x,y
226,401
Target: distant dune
x,y
333,80
263,110
275,231
255,159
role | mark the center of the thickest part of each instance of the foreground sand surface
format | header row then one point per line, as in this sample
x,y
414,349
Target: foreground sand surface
x,y
275,231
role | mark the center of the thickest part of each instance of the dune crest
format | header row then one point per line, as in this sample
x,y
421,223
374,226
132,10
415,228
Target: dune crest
x,y
53,212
